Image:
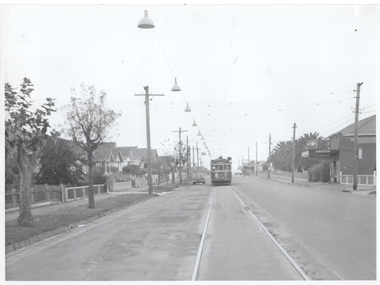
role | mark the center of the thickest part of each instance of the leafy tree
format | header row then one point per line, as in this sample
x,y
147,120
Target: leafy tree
x,y
25,135
320,172
133,170
161,167
11,172
60,162
177,147
90,123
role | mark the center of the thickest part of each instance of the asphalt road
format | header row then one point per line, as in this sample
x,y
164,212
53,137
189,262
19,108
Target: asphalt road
x,y
237,248
331,234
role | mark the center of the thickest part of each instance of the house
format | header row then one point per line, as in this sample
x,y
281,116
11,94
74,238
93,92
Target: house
x,y
127,154
107,156
342,153
140,156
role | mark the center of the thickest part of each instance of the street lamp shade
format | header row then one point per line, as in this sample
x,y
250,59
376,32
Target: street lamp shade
x,y
199,132
187,108
194,124
145,22
176,87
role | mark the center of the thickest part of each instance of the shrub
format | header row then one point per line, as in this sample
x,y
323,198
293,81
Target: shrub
x,y
320,172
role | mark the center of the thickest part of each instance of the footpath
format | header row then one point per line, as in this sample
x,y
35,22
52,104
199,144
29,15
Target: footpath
x,y
361,189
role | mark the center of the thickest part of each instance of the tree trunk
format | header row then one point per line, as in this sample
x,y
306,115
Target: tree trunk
x,y
91,166
25,218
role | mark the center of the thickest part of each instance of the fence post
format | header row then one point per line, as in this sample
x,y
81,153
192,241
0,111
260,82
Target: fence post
x,y
14,198
48,193
63,194
374,178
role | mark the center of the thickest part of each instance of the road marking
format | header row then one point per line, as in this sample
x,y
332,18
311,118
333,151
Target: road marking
x,y
295,265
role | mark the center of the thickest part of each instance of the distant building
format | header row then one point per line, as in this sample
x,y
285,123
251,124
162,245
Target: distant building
x,y
342,153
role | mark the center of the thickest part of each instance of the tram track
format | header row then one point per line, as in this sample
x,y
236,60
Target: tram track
x,y
203,242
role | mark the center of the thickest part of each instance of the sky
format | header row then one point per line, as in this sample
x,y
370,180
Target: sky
x,y
247,71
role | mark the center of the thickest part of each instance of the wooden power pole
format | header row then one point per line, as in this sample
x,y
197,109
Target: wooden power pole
x,y
356,150
294,150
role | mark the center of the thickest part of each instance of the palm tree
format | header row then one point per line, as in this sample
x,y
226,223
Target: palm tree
x,y
306,162
281,156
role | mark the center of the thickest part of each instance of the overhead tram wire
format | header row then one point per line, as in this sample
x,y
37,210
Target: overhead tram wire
x,y
228,72
167,61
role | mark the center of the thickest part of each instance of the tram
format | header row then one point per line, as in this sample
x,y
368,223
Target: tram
x,y
221,171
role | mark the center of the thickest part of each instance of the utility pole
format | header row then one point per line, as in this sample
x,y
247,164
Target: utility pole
x,y
193,160
356,150
187,157
149,151
197,158
269,155
180,154
249,171
256,166
294,150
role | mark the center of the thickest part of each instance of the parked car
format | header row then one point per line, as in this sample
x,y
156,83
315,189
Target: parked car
x,y
238,173
198,178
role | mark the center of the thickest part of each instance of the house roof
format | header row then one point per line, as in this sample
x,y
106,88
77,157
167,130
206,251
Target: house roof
x,y
107,152
103,155
366,126
126,151
142,153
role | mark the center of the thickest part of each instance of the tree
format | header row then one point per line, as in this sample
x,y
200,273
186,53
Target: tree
x,y
283,153
25,135
60,163
133,170
161,167
90,123
282,156
322,143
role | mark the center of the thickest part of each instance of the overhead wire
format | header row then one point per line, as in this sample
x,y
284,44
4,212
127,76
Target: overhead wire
x,y
167,61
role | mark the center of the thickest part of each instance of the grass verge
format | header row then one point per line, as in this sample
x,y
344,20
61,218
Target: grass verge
x,y
50,218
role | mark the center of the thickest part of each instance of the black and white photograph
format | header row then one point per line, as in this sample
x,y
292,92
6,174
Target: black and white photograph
x,y
213,141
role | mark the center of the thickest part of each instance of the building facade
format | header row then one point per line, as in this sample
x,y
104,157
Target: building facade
x,y
342,153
